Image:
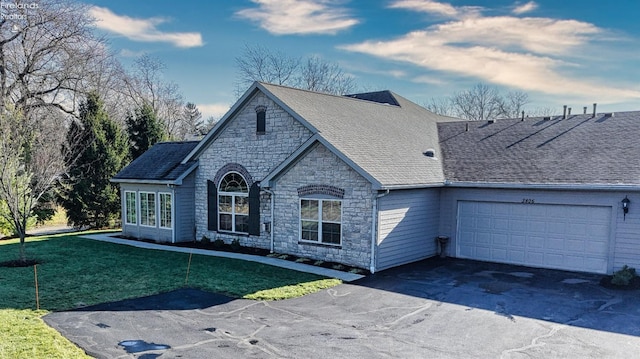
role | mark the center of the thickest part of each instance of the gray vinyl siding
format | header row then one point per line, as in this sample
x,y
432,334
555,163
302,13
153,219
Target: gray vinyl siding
x,y
145,232
624,239
185,210
408,223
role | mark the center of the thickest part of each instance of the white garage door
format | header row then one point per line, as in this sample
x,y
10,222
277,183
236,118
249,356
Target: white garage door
x,y
538,235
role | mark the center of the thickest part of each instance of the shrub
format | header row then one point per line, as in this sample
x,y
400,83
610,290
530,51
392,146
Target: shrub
x,y
235,244
624,276
218,243
205,240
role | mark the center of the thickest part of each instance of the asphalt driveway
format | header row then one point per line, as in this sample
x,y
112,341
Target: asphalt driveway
x,y
435,308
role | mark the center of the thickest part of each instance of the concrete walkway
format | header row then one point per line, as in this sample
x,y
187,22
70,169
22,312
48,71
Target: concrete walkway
x,y
326,272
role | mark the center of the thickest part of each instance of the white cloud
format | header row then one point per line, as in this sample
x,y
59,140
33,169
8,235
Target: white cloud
x,y
532,54
144,30
282,17
437,8
215,110
524,8
539,35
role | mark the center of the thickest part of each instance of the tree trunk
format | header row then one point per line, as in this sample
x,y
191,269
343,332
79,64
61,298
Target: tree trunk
x,y
23,255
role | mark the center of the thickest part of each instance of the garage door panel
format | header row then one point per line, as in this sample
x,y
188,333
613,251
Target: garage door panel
x,y
483,252
535,258
517,256
501,224
534,226
554,244
577,229
518,241
500,240
554,236
483,238
535,242
597,230
595,247
556,227
499,254
575,245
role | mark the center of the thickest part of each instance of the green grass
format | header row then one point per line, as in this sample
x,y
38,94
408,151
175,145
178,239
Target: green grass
x,y
76,272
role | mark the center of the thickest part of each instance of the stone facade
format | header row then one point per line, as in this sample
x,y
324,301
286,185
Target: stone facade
x,y
238,144
323,170
238,147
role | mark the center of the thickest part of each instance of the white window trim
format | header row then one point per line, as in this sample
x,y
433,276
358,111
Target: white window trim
x,y
155,205
126,207
233,196
320,221
161,210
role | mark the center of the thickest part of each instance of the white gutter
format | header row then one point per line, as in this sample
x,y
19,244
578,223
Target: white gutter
x,y
413,186
272,197
374,229
564,186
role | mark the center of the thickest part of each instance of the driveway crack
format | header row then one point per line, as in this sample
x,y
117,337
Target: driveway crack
x,y
534,342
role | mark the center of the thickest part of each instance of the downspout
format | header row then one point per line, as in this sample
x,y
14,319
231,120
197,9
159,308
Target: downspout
x,y
272,197
173,215
374,228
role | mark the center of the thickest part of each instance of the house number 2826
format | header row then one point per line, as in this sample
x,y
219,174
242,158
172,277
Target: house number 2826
x,y
528,201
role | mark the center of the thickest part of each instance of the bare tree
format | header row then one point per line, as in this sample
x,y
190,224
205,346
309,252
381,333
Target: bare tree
x,y
145,85
30,164
323,76
259,63
49,59
47,55
513,103
441,106
480,102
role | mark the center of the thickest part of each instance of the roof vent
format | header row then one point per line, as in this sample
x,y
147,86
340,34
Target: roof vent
x,y
546,118
430,153
610,114
493,120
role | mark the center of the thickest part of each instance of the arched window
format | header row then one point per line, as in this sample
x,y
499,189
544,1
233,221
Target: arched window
x,y
233,204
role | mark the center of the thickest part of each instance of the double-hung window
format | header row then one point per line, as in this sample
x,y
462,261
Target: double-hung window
x,y
321,221
130,207
165,210
148,209
233,204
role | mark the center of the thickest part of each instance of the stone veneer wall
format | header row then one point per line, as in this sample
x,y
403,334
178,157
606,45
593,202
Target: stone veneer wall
x,y
257,153
319,168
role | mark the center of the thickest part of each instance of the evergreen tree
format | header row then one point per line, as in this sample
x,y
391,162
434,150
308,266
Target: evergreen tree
x,y
144,130
91,199
193,120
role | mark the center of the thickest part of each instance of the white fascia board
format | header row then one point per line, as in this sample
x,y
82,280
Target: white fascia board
x,y
549,186
142,181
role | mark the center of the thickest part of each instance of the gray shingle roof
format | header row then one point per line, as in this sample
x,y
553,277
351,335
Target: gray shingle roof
x,y
387,141
161,163
577,150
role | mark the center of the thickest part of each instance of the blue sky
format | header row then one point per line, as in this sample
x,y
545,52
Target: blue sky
x,y
573,52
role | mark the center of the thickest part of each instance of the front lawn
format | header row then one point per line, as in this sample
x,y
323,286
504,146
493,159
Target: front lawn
x,y
75,272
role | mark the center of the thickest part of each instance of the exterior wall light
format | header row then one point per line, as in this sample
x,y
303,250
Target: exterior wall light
x,y
625,206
